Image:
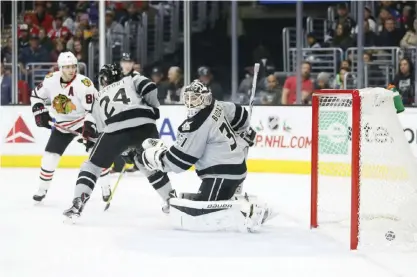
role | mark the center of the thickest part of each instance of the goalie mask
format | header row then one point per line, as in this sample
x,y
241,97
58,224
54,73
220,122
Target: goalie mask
x,y
196,97
109,74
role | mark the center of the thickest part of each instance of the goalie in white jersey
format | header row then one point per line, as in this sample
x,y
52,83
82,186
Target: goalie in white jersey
x,y
214,138
125,113
71,96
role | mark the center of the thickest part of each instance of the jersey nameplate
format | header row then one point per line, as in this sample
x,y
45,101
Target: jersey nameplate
x,y
86,82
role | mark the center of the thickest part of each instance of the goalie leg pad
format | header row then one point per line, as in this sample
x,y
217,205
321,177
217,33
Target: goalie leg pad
x,y
229,215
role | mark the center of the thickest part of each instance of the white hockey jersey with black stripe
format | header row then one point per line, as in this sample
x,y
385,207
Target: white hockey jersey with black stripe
x,y
128,103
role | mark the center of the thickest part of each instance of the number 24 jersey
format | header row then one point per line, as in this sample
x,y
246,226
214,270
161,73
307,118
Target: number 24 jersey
x,y
128,103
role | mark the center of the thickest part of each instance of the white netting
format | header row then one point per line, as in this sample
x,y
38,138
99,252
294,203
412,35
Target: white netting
x,y
388,170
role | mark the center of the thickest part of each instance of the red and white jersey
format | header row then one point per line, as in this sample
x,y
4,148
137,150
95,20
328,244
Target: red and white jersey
x,y
69,102
62,32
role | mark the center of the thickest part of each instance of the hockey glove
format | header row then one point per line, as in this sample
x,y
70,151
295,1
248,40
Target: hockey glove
x,y
152,158
129,156
249,136
88,133
151,142
42,117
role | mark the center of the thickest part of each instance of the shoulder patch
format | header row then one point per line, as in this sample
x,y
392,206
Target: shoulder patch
x,y
192,124
186,126
49,75
86,82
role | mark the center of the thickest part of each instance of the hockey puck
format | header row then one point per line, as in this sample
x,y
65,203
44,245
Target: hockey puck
x,y
390,235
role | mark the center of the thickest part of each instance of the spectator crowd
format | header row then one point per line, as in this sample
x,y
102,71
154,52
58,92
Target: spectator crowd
x,y
53,27
388,24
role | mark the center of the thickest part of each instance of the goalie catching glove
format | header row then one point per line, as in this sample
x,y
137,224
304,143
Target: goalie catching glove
x,y
151,157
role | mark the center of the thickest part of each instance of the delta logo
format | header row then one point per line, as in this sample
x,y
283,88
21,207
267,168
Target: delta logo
x,y
20,133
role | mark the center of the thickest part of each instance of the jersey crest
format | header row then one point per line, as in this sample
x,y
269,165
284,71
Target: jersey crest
x,y
86,82
49,75
63,105
186,126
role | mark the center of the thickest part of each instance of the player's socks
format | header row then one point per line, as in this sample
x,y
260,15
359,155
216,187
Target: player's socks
x,y
45,182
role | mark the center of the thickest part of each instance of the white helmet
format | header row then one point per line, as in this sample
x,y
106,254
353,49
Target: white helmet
x,y
66,58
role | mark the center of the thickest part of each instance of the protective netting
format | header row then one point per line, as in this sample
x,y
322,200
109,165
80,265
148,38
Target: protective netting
x,y
388,170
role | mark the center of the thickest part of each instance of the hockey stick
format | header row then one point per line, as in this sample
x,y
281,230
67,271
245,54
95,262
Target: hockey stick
x,y
253,90
114,188
56,125
252,94
251,100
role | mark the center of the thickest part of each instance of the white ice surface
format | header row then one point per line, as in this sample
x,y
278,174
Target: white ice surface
x,y
133,237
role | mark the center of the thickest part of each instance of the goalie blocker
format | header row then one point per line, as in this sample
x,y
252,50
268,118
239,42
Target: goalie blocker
x,y
215,140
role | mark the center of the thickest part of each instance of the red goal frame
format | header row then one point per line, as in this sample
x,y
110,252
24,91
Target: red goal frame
x,y
355,160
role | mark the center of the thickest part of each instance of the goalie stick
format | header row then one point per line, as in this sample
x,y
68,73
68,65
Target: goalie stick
x,y
251,100
253,90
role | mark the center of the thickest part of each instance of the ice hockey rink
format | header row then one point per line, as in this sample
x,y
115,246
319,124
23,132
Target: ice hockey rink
x,y
134,238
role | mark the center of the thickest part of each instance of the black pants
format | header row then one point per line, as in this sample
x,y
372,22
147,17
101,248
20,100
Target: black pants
x,y
110,145
119,163
216,189
58,142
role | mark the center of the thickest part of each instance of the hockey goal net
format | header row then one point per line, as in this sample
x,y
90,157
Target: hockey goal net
x,y
364,175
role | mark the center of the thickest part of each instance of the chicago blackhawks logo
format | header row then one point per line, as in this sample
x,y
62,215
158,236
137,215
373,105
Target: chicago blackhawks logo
x,y
86,82
63,104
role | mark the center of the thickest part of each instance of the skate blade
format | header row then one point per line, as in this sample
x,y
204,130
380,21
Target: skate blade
x,y
269,215
107,206
71,220
166,209
37,203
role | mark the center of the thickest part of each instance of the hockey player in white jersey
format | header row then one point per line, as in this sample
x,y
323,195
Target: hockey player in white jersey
x,y
125,113
71,95
214,138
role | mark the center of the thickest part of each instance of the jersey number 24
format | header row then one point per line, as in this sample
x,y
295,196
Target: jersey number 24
x,y
120,96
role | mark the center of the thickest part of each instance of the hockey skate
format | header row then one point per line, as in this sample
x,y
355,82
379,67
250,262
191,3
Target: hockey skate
x,y
77,207
40,195
254,217
106,192
165,206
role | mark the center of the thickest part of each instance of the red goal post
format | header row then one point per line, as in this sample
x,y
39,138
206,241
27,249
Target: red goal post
x,y
355,157
363,172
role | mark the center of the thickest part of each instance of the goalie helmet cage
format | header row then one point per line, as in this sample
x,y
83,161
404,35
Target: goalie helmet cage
x,y
380,195
355,161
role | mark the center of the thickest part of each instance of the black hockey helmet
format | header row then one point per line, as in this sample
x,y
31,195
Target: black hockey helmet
x,y
126,57
109,74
